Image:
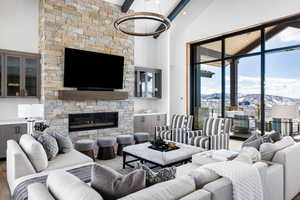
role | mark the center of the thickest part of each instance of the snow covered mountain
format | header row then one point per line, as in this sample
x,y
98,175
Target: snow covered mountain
x,y
255,98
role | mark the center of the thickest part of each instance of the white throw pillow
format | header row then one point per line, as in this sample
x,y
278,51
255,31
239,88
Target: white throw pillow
x,y
35,152
203,176
65,186
173,189
268,150
252,153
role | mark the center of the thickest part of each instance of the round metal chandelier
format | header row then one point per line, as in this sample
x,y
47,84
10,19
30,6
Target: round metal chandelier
x,y
166,24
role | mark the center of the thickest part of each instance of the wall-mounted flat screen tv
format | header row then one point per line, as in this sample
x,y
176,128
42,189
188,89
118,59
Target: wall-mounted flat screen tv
x,y
91,70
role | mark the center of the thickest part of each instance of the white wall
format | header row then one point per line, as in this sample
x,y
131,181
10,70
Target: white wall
x,y
19,32
153,53
9,107
19,25
215,17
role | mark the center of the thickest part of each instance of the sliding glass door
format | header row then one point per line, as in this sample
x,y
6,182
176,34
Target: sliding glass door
x,y
248,73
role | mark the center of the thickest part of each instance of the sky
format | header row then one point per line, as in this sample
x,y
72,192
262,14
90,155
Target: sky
x,y
282,70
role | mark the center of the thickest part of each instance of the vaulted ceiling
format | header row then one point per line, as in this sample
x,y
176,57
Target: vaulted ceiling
x,y
161,6
164,7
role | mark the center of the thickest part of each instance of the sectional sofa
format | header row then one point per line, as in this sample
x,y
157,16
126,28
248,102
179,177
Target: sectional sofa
x,y
27,163
280,179
183,187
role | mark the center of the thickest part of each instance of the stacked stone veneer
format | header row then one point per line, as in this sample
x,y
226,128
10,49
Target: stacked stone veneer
x,y
86,25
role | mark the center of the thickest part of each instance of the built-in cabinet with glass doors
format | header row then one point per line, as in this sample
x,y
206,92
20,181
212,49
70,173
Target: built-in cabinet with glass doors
x,y
20,74
147,83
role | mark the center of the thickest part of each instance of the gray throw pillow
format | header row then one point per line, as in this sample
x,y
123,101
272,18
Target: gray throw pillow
x,y
161,175
36,134
254,140
112,185
267,139
49,144
65,144
275,136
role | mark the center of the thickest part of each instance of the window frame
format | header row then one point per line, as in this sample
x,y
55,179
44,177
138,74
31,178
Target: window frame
x,y
263,51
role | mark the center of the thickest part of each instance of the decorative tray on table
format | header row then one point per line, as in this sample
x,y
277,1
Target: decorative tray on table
x,y
160,145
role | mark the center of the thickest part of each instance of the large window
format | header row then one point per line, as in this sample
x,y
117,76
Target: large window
x,y
251,73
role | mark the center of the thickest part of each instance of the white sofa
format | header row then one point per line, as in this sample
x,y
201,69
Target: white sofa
x,y
27,163
180,188
221,189
183,187
289,159
280,180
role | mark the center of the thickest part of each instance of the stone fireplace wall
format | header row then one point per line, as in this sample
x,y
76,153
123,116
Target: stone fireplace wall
x,y
86,25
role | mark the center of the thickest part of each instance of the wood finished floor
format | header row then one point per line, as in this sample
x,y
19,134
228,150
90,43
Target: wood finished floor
x,y
5,193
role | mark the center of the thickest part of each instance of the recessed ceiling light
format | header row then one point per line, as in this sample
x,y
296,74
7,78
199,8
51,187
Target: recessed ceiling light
x,y
183,13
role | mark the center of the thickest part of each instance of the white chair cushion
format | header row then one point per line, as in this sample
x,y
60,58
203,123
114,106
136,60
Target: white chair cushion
x,y
69,159
65,186
35,152
170,190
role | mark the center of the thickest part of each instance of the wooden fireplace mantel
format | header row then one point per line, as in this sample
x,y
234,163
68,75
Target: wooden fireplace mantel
x,y
78,95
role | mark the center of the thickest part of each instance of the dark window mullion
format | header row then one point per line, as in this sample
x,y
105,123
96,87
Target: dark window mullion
x,y
198,85
223,79
231,57
263,70
194,79
288,48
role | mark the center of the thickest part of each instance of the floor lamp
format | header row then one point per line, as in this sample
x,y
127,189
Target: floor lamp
x,y
31,112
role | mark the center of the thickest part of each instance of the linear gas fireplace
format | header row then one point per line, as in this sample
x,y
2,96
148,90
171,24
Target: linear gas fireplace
x,y
92,121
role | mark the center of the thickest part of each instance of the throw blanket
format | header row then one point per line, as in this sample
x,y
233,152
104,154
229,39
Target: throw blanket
x,y
245,179
20,191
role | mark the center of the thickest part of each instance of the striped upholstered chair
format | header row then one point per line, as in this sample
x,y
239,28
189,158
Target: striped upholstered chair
x,y
179,124
214,136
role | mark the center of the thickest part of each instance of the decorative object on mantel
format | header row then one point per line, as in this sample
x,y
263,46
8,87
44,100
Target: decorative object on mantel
x,y
31,112
143,15
82,95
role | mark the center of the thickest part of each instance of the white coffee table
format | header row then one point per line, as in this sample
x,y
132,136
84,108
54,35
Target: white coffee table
x,y
142,153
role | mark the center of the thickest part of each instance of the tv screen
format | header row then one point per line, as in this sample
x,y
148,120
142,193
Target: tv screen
x,y
84,69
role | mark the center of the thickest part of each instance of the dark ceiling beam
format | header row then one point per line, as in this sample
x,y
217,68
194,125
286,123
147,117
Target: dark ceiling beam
x,y
209,52
126,5
295,25
174,13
